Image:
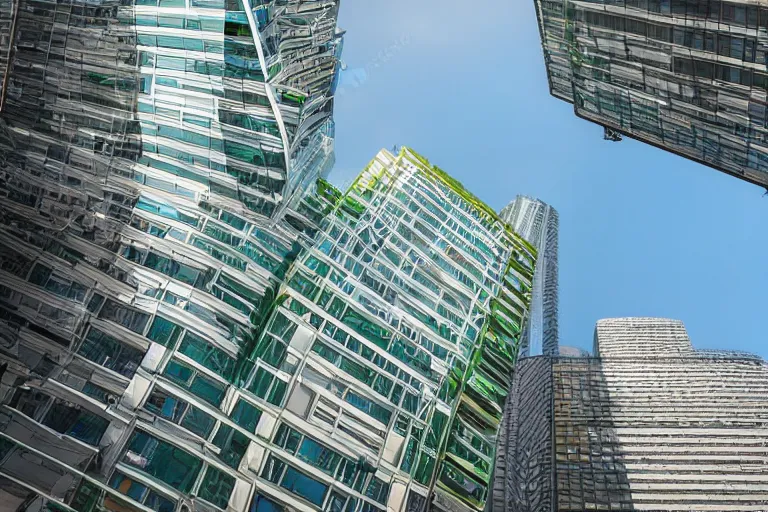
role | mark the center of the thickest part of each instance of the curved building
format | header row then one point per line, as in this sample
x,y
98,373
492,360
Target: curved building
x,y
157,159
398,331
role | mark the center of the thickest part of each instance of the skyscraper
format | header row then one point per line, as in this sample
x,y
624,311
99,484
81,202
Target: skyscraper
x,y
372,378
647,424
686,76
538,223
398,332
157,163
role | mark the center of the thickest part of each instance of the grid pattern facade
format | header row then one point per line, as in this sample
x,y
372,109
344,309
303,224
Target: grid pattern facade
x,y
158,162
538,223
686,76
399,331
657,428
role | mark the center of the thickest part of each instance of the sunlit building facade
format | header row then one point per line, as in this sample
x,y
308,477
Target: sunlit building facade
x,y
688,77
395,335
648,423
158,162
538,223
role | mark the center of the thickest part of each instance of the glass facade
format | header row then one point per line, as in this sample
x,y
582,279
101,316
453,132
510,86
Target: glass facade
x,y
385,365
159,165
686,76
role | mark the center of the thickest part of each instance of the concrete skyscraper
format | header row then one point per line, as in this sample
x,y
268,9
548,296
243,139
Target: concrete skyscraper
x,y
538,223
686,76
649,423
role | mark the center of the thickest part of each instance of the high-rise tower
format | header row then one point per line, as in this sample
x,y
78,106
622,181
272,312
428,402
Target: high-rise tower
x,y
398,332
155,159
647,424
686,76
538,223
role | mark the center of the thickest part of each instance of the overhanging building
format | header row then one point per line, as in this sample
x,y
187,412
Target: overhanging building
x,y
157,169
649,423
538,223
686,76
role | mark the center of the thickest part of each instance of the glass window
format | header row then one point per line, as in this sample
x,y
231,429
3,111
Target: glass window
x,y
164,332
207,4
217,487
207,355
141,493
246,415
233,445
304,486
108,352
378,490
171,22
198,422
71,420
180,412
262,504
199,385
318,455
165,405
120,313
162,460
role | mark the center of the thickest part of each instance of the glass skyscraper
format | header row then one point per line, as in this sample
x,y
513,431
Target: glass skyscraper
x,y
158,162
388,358
686,76
648,423
368,373
538,223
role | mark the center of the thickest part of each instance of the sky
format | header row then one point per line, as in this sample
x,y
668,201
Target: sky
x,y
642,232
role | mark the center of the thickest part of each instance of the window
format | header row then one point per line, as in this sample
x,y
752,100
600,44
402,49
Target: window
x,y
110,353
318,455
378,490
207,355
262,504
217,487
129,318
164,332
162,460
140,493
199,385
266,385
71,420
233,445
294,481
180,412
246,415
304,486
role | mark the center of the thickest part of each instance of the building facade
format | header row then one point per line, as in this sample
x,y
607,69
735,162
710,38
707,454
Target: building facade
x,y
648,424
538,223
398,333
687,77
158,162
368,376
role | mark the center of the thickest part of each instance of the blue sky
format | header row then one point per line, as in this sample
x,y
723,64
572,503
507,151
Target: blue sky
x,y
642,232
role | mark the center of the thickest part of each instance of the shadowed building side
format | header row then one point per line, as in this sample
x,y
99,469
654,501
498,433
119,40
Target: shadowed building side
x,y
652,424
